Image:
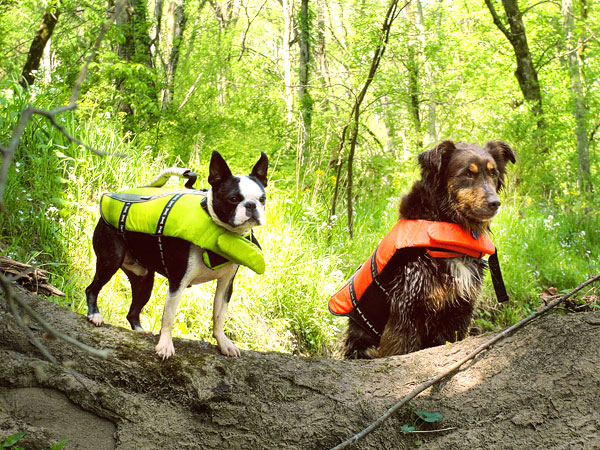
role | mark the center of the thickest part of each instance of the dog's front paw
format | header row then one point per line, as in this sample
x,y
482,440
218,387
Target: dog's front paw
x,y
164,349
95,318
227,347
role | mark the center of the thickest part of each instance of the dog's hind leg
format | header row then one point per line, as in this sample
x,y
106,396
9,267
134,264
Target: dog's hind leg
x,y
109,247
141,289
358,343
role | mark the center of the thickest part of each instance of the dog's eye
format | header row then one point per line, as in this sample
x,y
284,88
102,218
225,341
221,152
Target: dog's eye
x,y
235,199
263,199
494,173
470,174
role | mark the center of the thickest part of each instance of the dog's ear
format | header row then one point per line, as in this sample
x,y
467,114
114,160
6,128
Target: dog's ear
x,y
218,170
501,152
433,160
259,171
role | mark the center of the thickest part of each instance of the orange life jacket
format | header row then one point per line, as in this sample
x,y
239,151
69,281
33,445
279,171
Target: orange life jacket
x,y
441,239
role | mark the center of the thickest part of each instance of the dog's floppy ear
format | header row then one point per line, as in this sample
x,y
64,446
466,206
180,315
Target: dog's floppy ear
x,y
433,160
501,151
502,154
259,171
218,170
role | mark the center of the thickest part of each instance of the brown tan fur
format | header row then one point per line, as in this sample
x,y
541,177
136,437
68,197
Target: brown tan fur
x,y
431,300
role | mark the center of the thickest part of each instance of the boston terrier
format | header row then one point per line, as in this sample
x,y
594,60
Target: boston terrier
x,y
234,202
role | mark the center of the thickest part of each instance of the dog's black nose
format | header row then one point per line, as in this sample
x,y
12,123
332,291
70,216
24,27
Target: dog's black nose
x,y
494,203
250,205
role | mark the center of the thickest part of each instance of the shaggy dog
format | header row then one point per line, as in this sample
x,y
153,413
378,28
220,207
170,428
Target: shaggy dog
x,y
431,300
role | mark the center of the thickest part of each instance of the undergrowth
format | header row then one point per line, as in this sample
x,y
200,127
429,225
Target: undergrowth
x,y
52,207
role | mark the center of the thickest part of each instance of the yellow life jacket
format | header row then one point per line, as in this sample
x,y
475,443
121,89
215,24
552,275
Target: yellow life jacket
x,y
179,213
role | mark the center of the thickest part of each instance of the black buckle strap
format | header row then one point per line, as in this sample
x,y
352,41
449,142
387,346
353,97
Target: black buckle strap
x,y
123,217
160,227
497,280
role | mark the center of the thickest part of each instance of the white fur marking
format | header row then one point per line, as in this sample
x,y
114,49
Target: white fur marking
x,y
252,192
96,319
464,278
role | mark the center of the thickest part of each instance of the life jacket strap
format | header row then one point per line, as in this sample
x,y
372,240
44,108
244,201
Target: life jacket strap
x,y
160,227
497,281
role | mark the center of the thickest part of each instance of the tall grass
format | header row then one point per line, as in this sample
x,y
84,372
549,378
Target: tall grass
x,y
52,207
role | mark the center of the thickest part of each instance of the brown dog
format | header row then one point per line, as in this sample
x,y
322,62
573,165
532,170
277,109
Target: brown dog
x,y
431,300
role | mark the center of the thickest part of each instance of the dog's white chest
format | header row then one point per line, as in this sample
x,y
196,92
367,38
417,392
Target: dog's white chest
x,y
466,281
197,272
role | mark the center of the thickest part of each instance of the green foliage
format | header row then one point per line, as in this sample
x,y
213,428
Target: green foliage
x,y
547,231
11,441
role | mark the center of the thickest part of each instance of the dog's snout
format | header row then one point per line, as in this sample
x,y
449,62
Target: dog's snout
x,y
250,206
494,202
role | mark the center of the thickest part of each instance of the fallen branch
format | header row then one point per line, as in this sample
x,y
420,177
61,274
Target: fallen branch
x,y
458,364
31,278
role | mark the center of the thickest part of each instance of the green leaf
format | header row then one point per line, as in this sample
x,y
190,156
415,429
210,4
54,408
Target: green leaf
x,y
406,429
429,417
59,445
12,440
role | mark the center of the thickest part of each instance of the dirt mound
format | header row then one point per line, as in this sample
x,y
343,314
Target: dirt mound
x,y
539,388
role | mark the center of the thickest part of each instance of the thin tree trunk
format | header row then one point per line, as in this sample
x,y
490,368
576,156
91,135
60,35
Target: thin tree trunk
x,y
288,9
36,51
413,69
305,99
227,13
574,46
526,72
354,117
428,73
177,21
132,18
325,78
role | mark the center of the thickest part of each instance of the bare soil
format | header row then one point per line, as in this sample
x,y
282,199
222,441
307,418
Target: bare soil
x,y
539,388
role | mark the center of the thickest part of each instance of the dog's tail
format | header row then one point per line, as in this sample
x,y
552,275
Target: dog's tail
x,y
182,172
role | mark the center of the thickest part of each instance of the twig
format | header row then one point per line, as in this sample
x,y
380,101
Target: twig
x,y
10,295
430,431
458,364
8,153
189,92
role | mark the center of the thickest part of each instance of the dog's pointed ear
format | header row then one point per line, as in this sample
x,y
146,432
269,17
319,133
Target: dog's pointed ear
x,y
259,171
218,170
433,160
501,151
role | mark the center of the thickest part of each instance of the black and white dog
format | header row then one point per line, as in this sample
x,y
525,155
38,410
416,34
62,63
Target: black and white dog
x,y
235,202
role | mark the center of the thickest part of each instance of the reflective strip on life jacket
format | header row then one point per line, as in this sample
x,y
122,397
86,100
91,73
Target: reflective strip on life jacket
x,y
442,240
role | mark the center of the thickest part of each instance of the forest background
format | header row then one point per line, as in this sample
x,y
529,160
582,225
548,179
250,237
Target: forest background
x,y
173,80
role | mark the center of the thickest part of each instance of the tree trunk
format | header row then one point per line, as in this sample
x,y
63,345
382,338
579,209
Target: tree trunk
x,y
36,51
325,78
286,52
428,72
536,389
574,47
227,13
413,68
526,72
132,19
304,97
176,21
